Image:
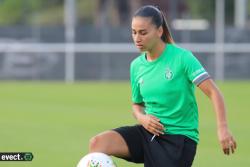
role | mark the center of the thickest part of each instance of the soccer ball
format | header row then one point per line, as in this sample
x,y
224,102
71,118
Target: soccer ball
x,y
96,160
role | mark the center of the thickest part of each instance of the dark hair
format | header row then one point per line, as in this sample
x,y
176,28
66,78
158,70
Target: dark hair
x,y
158,19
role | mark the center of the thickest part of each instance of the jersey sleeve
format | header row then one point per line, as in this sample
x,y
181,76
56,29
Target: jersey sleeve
x,y
193,68
136,95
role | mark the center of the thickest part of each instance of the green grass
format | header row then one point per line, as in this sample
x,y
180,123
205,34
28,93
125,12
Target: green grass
x,y
55,121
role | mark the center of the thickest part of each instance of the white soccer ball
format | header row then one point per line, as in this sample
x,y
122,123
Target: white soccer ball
x,y
96,160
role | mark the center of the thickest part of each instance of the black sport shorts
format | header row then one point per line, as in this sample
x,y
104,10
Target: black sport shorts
x,y
163,151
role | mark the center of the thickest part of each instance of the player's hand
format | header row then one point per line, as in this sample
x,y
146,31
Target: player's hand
x,y
152,124
227,141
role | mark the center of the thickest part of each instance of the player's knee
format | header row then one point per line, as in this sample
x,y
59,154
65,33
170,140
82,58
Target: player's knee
x,y
95,144
92,143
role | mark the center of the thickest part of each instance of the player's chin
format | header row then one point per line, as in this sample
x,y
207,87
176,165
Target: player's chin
x,y
142,49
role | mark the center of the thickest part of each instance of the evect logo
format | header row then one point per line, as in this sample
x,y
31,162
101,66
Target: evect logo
x,y
16,156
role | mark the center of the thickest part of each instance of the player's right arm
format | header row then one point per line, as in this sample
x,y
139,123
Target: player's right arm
x,y
149,122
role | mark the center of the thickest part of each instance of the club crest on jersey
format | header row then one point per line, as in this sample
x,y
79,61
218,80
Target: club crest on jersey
x,y
169,74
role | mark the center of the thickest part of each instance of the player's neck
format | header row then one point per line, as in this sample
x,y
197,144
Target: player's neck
x,y
156,51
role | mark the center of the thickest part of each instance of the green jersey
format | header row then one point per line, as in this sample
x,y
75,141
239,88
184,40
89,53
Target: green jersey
x,y
166,87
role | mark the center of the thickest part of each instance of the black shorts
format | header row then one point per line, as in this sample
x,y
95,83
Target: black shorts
x,y
163,151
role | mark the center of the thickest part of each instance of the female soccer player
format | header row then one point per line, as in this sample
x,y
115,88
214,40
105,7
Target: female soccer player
x,y
162,80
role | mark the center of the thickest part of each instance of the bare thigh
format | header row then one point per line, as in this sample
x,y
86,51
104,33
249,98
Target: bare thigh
x,y
111,143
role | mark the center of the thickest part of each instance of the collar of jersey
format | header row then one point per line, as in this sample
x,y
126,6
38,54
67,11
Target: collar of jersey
x,y
158,59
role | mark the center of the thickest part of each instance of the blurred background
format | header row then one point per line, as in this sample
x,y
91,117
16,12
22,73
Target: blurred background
x,y
87,43
70,40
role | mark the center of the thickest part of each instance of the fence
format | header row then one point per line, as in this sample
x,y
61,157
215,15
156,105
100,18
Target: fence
x,y
106,61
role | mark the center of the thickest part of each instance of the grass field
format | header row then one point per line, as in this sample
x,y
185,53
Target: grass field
x,y
54,121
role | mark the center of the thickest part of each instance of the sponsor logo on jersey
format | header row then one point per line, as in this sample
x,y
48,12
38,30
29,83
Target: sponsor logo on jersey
x,y
198,71
141,81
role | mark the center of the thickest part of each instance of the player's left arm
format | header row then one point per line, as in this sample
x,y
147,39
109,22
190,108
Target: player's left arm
x,y
226,139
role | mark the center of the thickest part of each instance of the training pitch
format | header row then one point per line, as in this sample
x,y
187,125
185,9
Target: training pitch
x,y
55,121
